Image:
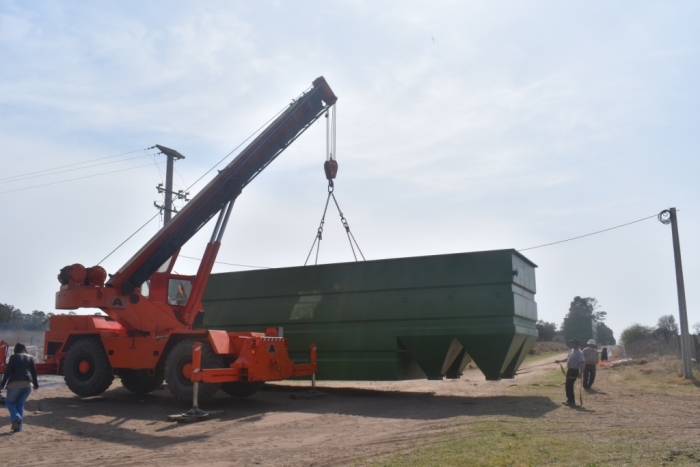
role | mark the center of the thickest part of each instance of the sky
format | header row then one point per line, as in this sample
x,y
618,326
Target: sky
x,y
462,126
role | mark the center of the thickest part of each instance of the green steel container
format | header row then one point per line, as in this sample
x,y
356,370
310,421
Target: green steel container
x,y
581,328
392,319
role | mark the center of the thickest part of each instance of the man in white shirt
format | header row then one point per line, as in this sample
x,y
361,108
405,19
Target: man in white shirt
x,y
590,353
574,365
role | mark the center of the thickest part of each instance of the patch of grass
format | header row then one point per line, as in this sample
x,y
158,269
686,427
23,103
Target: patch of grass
x,y
534,443
543,355
660,375
553,379
563,436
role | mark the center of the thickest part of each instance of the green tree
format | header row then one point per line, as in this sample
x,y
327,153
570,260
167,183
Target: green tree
x,y
545,331
605,335
667,324
9,316
585,308
13,318
635,332
37,321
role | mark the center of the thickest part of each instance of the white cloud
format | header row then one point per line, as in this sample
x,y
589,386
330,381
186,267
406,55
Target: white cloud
x,y
520,124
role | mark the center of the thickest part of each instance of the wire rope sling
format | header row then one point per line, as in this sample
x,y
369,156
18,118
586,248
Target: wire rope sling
x,y
330,167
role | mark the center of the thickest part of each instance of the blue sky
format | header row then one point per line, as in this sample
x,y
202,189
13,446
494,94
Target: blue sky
x,y
462,126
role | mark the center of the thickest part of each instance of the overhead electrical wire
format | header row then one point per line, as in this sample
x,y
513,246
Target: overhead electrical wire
x,y
73,179
129,237
589,234
74,164
73,169
229,264
203,175
246,140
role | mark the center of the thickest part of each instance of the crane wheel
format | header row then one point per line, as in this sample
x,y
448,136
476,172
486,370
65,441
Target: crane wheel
x,y
140,382
86,368
242,389
177,364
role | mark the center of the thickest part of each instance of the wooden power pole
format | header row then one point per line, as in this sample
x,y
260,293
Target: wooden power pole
x,y
669,217
167,207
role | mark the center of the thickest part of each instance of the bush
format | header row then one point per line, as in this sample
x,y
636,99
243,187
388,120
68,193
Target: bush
x,y
545,331
635,332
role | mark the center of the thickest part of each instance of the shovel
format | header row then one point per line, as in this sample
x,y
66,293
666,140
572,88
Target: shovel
x,y
580,388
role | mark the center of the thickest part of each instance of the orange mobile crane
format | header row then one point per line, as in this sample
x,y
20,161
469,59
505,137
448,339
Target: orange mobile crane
x,y
150,333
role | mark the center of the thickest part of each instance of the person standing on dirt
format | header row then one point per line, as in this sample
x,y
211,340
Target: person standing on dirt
x,y
20,376
574,365
590,353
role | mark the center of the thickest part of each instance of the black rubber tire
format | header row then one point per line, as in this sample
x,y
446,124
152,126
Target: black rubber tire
x,y
140,382
178,384
242,389
98,378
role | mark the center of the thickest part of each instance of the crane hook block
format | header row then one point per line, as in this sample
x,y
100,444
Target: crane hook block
x,y
331,169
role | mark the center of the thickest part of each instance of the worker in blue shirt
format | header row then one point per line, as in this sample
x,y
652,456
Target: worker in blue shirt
x,y
574,364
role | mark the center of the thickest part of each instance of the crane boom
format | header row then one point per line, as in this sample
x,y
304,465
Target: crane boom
x,y
225,187
150,335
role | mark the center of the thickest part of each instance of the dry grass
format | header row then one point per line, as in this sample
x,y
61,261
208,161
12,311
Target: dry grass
x,y
642,414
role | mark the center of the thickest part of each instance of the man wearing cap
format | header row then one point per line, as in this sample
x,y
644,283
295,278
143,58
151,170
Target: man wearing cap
x,y
574,365
590,353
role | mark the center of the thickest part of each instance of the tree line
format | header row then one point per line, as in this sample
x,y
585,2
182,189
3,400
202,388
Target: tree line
x,y
666,326
580,307
12,318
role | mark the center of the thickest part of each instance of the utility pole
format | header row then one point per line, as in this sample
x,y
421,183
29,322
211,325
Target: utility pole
x,y
167,207
669,217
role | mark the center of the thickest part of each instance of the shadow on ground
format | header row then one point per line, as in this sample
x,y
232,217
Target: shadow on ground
x,y
78,416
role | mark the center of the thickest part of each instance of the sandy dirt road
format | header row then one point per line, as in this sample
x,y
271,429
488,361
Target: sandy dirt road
x,y
354,420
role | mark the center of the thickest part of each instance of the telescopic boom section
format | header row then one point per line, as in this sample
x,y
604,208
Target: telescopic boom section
x,y
225,187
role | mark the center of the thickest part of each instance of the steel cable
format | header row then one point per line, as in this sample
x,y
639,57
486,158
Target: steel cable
x,y
77,163
593,233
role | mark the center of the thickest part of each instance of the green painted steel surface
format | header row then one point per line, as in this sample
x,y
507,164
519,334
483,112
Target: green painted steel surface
x,y
582,329
390,319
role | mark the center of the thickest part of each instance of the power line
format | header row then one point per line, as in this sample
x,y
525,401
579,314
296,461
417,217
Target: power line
x,y
229,264
205,173
129,237
245,140
588,235
73,179
77,163
70,170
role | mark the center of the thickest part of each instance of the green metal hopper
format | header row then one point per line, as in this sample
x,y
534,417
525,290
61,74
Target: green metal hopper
x,y
581,328
391,319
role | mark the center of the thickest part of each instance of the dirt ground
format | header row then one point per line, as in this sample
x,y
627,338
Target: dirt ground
x,y
353,423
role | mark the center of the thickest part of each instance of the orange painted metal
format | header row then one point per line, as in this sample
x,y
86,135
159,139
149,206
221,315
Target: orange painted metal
x,y
84,367
41,368
139,329
220,341
259,358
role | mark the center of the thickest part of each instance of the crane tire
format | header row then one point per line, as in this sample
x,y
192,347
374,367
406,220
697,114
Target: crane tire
x,y
180,385
140,382
86,369
242,389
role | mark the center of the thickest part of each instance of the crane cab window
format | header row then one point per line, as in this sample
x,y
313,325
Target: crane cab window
x,y
178,291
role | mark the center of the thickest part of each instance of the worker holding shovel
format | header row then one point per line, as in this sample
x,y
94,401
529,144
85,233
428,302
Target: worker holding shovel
x,y
574,364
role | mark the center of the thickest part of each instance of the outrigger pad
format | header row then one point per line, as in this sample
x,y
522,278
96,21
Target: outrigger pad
x,y
194,415
310,394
